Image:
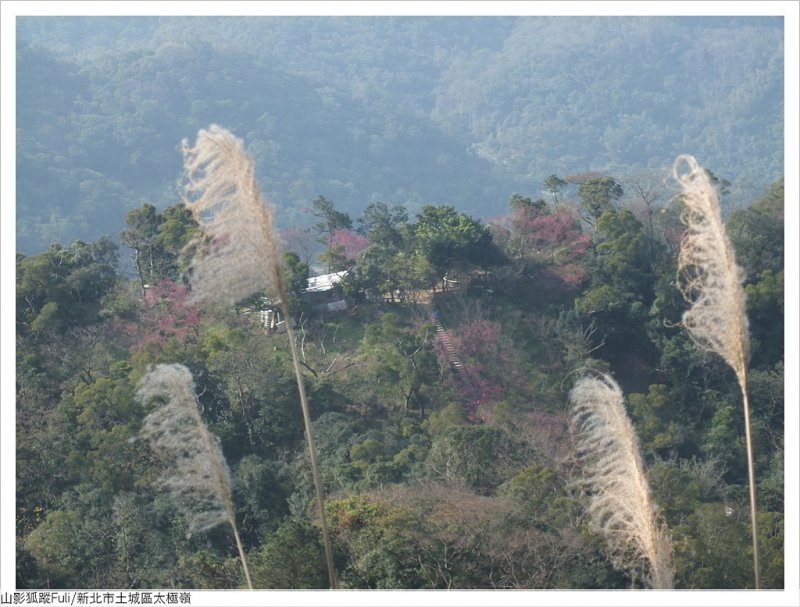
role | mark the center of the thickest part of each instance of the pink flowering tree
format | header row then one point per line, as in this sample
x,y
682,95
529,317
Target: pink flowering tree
x,y
349,243
168,321
344,245
547,245
492,368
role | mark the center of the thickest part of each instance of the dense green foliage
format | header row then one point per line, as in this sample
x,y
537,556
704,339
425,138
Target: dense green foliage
x,y
437,475
411,111
439,395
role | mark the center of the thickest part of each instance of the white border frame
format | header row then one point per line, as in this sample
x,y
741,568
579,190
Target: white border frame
x,y
788,9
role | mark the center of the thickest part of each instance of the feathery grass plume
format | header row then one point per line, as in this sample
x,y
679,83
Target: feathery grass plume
x,y
711,283
613,475
237,248
196,471
238,253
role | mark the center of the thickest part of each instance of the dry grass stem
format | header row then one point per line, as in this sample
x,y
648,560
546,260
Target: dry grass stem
x,y
711,283
239,253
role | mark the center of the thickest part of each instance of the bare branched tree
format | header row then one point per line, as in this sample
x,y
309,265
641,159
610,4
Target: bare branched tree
x,y
646,190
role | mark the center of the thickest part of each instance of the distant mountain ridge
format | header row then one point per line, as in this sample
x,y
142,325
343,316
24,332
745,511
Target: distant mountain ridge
x,y
410,111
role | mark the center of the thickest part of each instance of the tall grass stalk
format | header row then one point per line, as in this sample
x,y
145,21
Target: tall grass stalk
x,y
711,283
613,475
196,471
238,252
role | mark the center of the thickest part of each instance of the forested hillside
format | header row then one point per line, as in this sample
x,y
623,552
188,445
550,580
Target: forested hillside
x,y
409,111
439,407
438,244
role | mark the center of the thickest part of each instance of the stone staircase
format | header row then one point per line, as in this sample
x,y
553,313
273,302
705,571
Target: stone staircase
x,y
466,384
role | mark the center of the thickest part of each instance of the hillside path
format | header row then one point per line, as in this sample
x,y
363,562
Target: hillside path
x,y
464,381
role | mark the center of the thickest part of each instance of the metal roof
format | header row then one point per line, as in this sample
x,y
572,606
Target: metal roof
x,y
324,282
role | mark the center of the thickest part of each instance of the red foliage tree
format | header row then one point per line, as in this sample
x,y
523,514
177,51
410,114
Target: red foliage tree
x,y
349,243
167,315
552,240
492,369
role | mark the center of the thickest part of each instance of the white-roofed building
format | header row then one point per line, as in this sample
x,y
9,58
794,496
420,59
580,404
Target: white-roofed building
x,y
324,282
321,295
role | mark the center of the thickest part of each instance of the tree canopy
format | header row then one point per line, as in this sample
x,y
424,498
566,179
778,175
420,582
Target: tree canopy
x,y
439,414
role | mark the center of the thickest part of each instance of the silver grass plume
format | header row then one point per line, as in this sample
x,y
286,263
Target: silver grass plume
x,y
237,250
708,276
196,472
711,283
238,254
613,475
